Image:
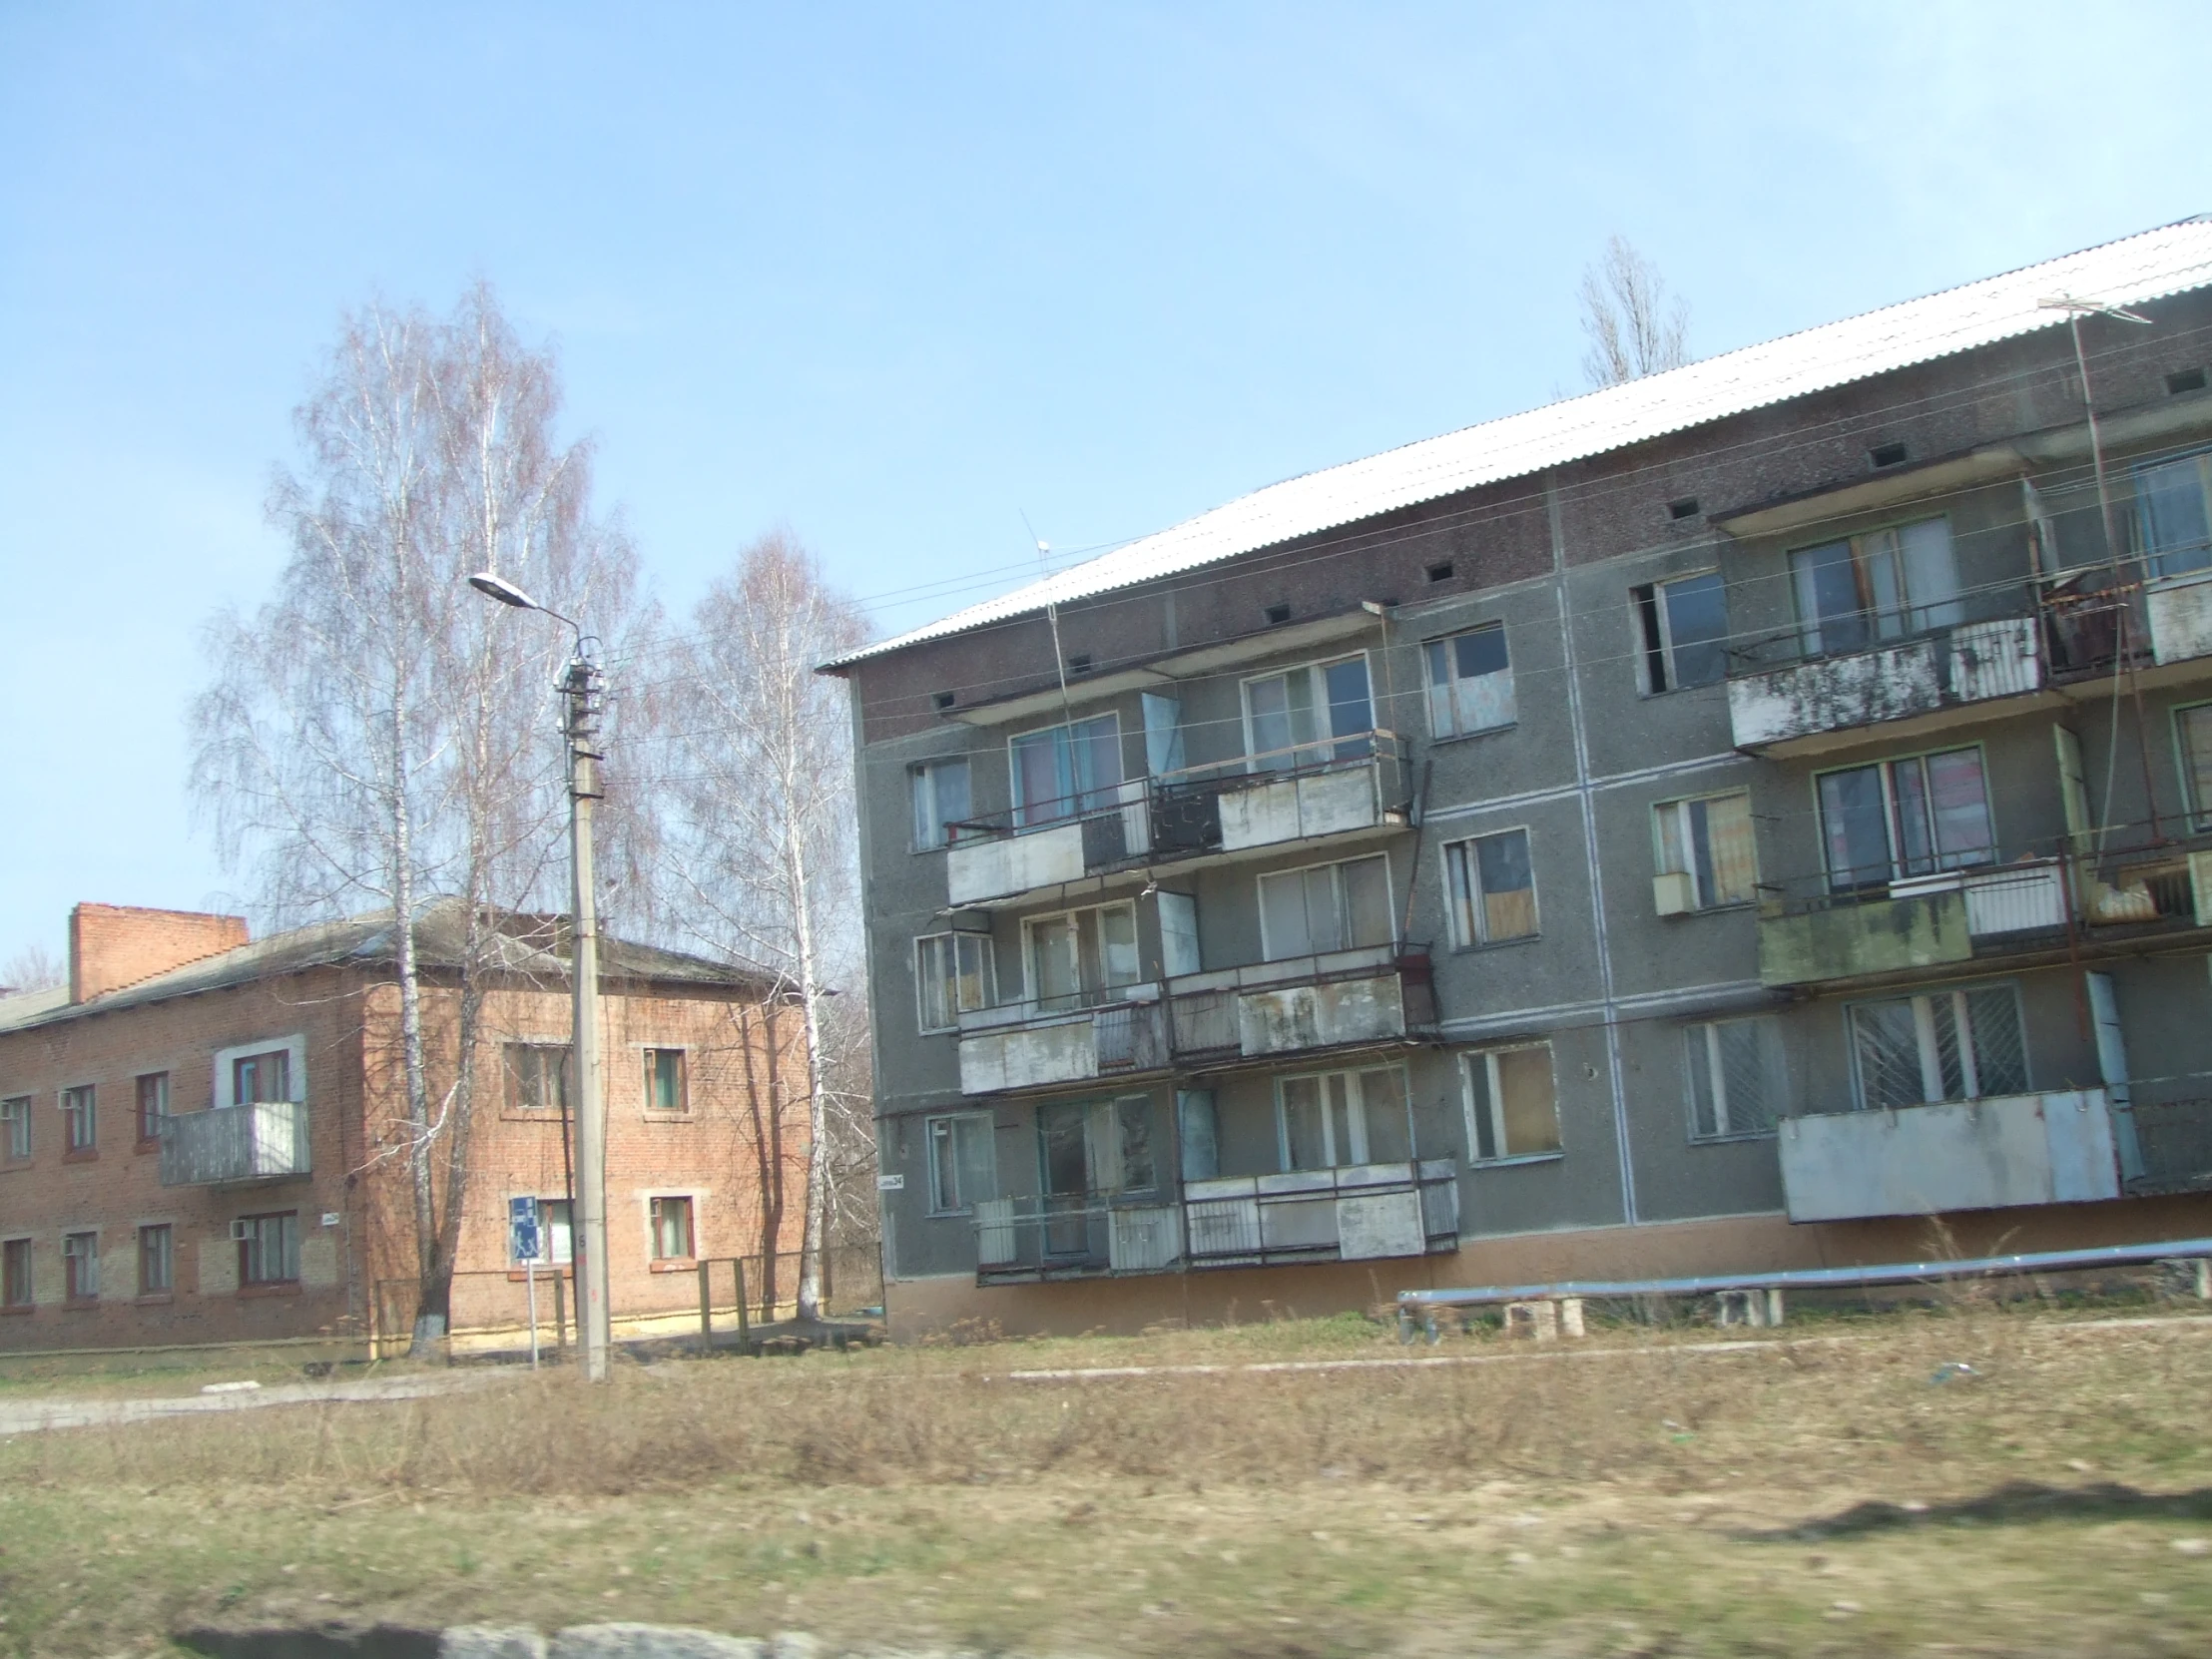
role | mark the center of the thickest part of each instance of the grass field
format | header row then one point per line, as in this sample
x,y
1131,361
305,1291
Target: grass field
x,y
1806,1491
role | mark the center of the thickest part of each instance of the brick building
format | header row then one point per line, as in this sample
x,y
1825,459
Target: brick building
x,y
1717,823
202,1137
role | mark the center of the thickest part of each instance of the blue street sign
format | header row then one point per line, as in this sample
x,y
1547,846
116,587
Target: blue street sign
x,y
522,1230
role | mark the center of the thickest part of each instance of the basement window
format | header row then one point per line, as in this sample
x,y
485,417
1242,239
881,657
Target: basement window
x,y
1440,572
2184,380
1684,508
1277,614
1887,454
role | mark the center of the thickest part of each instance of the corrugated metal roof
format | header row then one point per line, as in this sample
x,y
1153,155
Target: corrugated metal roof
x,y
2132,270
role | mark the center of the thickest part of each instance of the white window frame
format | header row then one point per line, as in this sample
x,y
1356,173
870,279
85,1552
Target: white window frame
x,y
683,1078
988,957
2199,800
1913,616
1885,768
226,1080
1356,1116
1334,867
922,780
1706,1035
1324,744
290,1259
1447,644
954,1125
2156,557
1029,926
1072,801
1664,620
697,1212
1451,907
1487,1058
1667,842
1924,1030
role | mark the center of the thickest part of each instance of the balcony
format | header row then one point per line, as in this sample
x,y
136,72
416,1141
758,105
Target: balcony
x,y
261,1140
1805,705
1344,999
2173,1139
1809,938
1242,807
1365,1212
2180,615
1987,1154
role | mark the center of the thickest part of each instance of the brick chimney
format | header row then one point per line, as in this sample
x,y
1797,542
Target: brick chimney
x,y
112,945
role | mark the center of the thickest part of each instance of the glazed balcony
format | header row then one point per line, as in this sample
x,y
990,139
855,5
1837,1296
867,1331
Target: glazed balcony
x,y
257,1141
1311,792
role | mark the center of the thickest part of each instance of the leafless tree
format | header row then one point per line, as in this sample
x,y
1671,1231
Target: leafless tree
x,y
377,735
33,969
761,860
1633,326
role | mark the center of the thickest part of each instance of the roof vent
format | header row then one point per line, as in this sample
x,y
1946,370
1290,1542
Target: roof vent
x,y
1080,663
2186,380
945,700
1277,614
1887,454
1684,508
1440,572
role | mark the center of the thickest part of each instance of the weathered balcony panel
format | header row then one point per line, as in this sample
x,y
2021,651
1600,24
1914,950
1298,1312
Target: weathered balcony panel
x,y
257,1141
1319,1016
1987,1154
979,870
1367,1211
1848,939
1973,663
1021,1046
1290,809
2180,610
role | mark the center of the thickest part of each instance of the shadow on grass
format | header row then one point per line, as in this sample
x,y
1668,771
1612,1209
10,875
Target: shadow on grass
x,y
2015,1502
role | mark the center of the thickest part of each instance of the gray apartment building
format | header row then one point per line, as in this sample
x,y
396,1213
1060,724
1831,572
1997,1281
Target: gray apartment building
x,y
1742,817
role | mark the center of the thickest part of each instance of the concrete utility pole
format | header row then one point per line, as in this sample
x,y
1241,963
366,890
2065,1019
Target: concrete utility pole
x,y
583,687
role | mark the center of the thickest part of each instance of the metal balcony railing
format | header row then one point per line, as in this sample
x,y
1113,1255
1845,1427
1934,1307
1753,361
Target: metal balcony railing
x,y
262,1140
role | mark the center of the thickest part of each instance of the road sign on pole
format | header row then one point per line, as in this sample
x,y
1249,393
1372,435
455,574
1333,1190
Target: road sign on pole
x,y
523,1234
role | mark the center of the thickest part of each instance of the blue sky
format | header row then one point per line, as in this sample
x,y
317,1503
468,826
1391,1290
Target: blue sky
x,y
896,277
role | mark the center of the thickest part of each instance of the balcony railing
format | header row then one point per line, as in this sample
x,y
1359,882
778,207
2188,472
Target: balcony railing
x,y
2173,1138
1369,1212
258,1141
1342,999
1277,796
1938,669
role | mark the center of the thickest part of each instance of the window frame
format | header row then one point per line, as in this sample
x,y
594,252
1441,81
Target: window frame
x,y
2153,558
922,778
1090,996
1337,891
549,1257
650,1055
1356,1117
1448,645
1021,811
255,1250
1886,766
1970,1048
1659,848
1654,632
987,979
654,1211
1706,1033
1487,1058
80,1266
18,1273
166,1255
2200,809
513,1092
16,1115
1807,629
160,1115
1452,905
986,1123
1361,743
80,1105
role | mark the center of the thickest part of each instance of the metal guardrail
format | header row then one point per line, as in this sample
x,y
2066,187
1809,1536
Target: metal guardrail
x,y
1789,1279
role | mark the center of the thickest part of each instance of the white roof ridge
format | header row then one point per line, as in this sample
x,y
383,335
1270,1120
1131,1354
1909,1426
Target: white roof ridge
x,y
2147,264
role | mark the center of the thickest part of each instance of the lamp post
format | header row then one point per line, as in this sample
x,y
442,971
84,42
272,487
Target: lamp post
x,y
580,686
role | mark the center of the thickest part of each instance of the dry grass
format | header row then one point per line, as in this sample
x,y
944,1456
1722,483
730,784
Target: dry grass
x,y
1656,1498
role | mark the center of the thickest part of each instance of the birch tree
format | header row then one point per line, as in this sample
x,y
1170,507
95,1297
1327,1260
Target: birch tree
x,y
1633,327
761,861
370,736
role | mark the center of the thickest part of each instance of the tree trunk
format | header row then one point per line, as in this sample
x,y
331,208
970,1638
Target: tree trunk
x,y
817,1128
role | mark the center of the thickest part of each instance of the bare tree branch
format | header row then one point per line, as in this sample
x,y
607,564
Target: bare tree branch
x,y
1633,327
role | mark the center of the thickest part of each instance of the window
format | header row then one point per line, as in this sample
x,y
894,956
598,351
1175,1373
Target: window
x,y
1063,771
1470,682
2193,740
1708,843
1905,818
1513,1108
667,1083
153,1107
15,1274
261,1077
1884,585
672,1230
2170,508
1081,957
1736,1077
1315,712
556,1242
1940,1045
1096,1146
1333,1119
538,1077
1684,627
1342,907
268,1247
80,1266
157,1261
963,1169
1493,891
80,1119
941,800
15,1128
954,975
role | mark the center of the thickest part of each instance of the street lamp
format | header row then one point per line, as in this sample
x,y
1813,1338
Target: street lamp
x,y
588,1242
